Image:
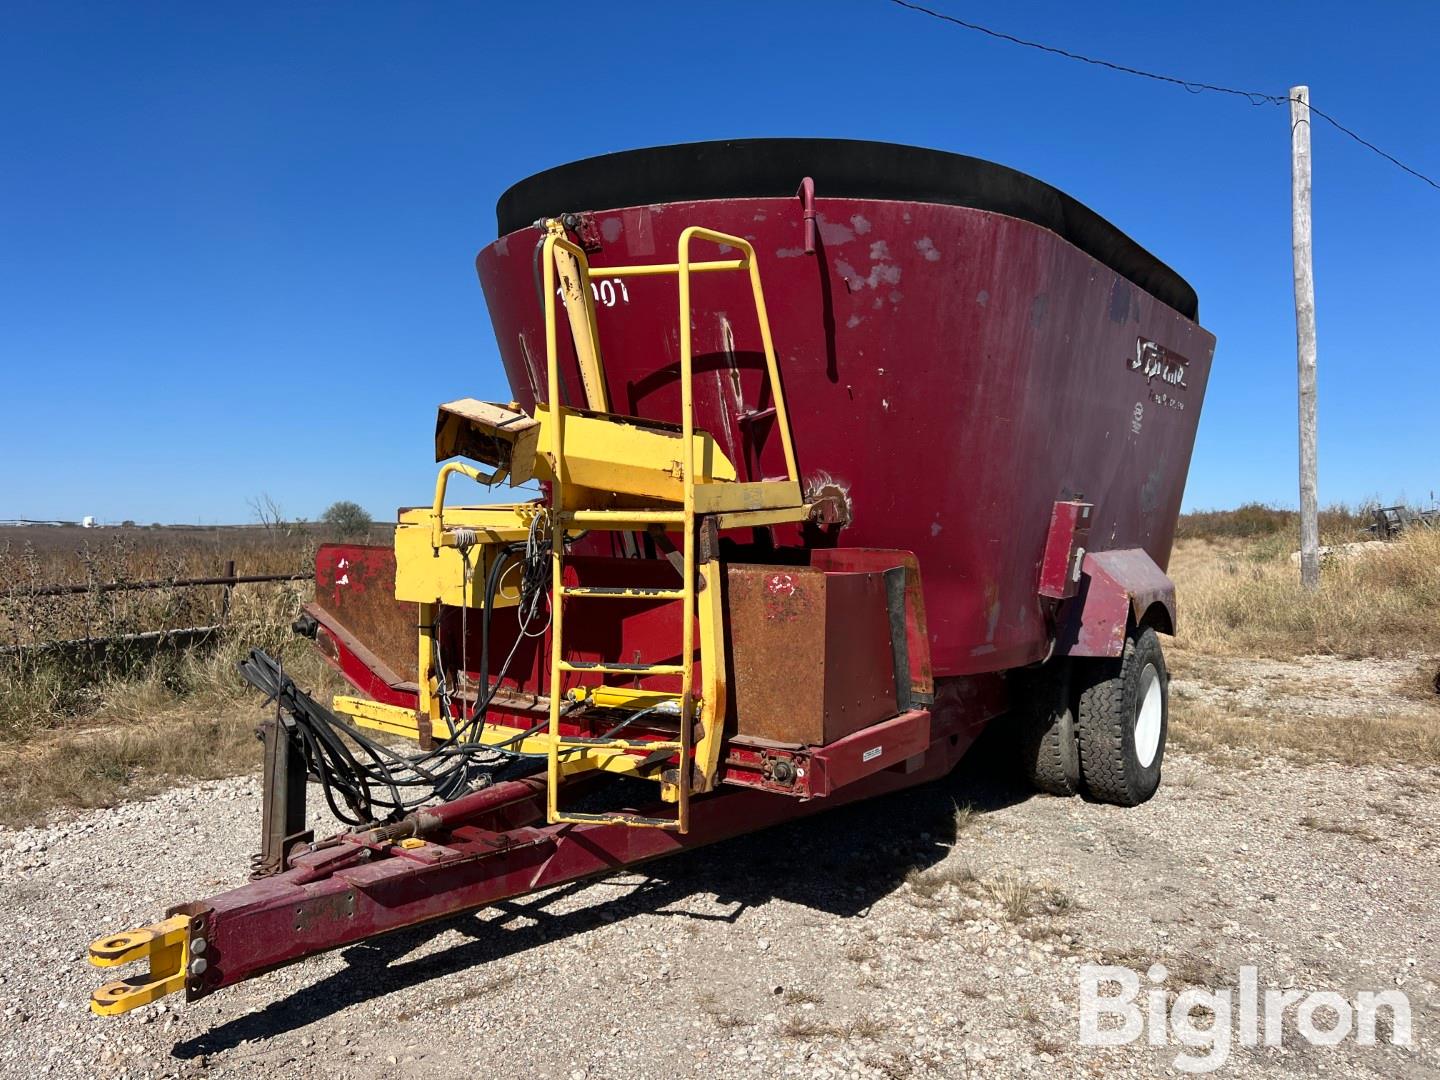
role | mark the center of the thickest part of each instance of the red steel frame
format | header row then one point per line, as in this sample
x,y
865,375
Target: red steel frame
x,y
492,845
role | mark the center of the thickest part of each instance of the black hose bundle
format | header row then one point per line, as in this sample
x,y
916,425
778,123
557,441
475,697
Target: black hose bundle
x,y
374,782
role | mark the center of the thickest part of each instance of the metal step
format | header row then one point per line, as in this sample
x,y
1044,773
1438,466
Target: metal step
x,y
633,820
622,520
622,669
582,742
622,592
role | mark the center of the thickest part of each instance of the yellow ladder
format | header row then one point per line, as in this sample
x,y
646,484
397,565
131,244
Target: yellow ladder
x,y
731,502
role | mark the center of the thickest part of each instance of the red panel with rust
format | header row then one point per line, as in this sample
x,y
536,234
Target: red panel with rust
x,y
922,681
956,371
355,589
810,652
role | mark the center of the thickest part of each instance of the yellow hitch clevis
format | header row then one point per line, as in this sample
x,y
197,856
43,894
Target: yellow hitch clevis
x,y
165,944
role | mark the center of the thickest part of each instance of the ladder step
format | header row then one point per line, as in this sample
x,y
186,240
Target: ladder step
x,y
580,741
622,592
619,819
622,669
622,518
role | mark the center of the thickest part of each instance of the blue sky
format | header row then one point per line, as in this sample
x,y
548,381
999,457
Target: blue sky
x,y
236,241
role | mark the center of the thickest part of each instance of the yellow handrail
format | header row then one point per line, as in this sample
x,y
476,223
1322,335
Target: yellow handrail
x,y
683,267
749,262
442,479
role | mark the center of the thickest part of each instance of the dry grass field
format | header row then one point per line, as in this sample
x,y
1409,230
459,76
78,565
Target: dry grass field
x,y
1349,672
1346,673
88,727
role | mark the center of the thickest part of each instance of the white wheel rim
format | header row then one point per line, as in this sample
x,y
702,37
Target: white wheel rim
x,y
1147,717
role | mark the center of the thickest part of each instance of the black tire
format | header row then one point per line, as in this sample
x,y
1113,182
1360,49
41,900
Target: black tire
x,y
1125,702
1049,755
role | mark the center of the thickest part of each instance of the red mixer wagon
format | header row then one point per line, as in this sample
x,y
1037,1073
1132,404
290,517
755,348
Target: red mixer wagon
x,y
799,536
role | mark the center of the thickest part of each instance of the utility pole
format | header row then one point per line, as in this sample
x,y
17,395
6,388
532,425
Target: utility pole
x,y
1304,330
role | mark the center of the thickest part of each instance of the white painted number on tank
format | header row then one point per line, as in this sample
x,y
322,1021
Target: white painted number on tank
x,y
609,292
1137,417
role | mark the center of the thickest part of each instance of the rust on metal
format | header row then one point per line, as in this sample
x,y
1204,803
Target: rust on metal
x,y
355,595
282,804
326,908
812,652
497,435
917,635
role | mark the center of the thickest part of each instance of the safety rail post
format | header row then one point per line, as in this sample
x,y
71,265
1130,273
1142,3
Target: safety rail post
x,y
772,366
682,268
687,615
557,503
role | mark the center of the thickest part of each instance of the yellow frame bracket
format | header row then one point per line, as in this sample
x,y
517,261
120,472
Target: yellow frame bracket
x,y
165,944
438,538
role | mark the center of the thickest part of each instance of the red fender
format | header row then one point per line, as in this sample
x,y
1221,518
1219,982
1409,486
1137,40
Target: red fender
x,y
1118,589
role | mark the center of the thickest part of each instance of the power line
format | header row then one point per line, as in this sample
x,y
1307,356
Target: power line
x,y
1371,146
1255,97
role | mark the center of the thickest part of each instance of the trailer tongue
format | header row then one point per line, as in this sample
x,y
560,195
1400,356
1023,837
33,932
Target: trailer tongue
x,y
685,638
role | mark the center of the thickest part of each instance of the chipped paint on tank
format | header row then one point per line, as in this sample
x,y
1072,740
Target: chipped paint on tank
x,y
992,610
833,233
927,248
639,230
1120,301
529,366
883,274
860,224
971,356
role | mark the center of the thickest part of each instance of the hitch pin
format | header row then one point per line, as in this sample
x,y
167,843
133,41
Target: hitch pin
x,y
165,944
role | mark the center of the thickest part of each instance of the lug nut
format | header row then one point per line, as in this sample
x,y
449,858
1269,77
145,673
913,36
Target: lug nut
x,y
198,946
198,966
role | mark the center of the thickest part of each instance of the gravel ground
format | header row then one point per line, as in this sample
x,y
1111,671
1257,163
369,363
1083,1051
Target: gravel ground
x,y
893,939
1325,686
